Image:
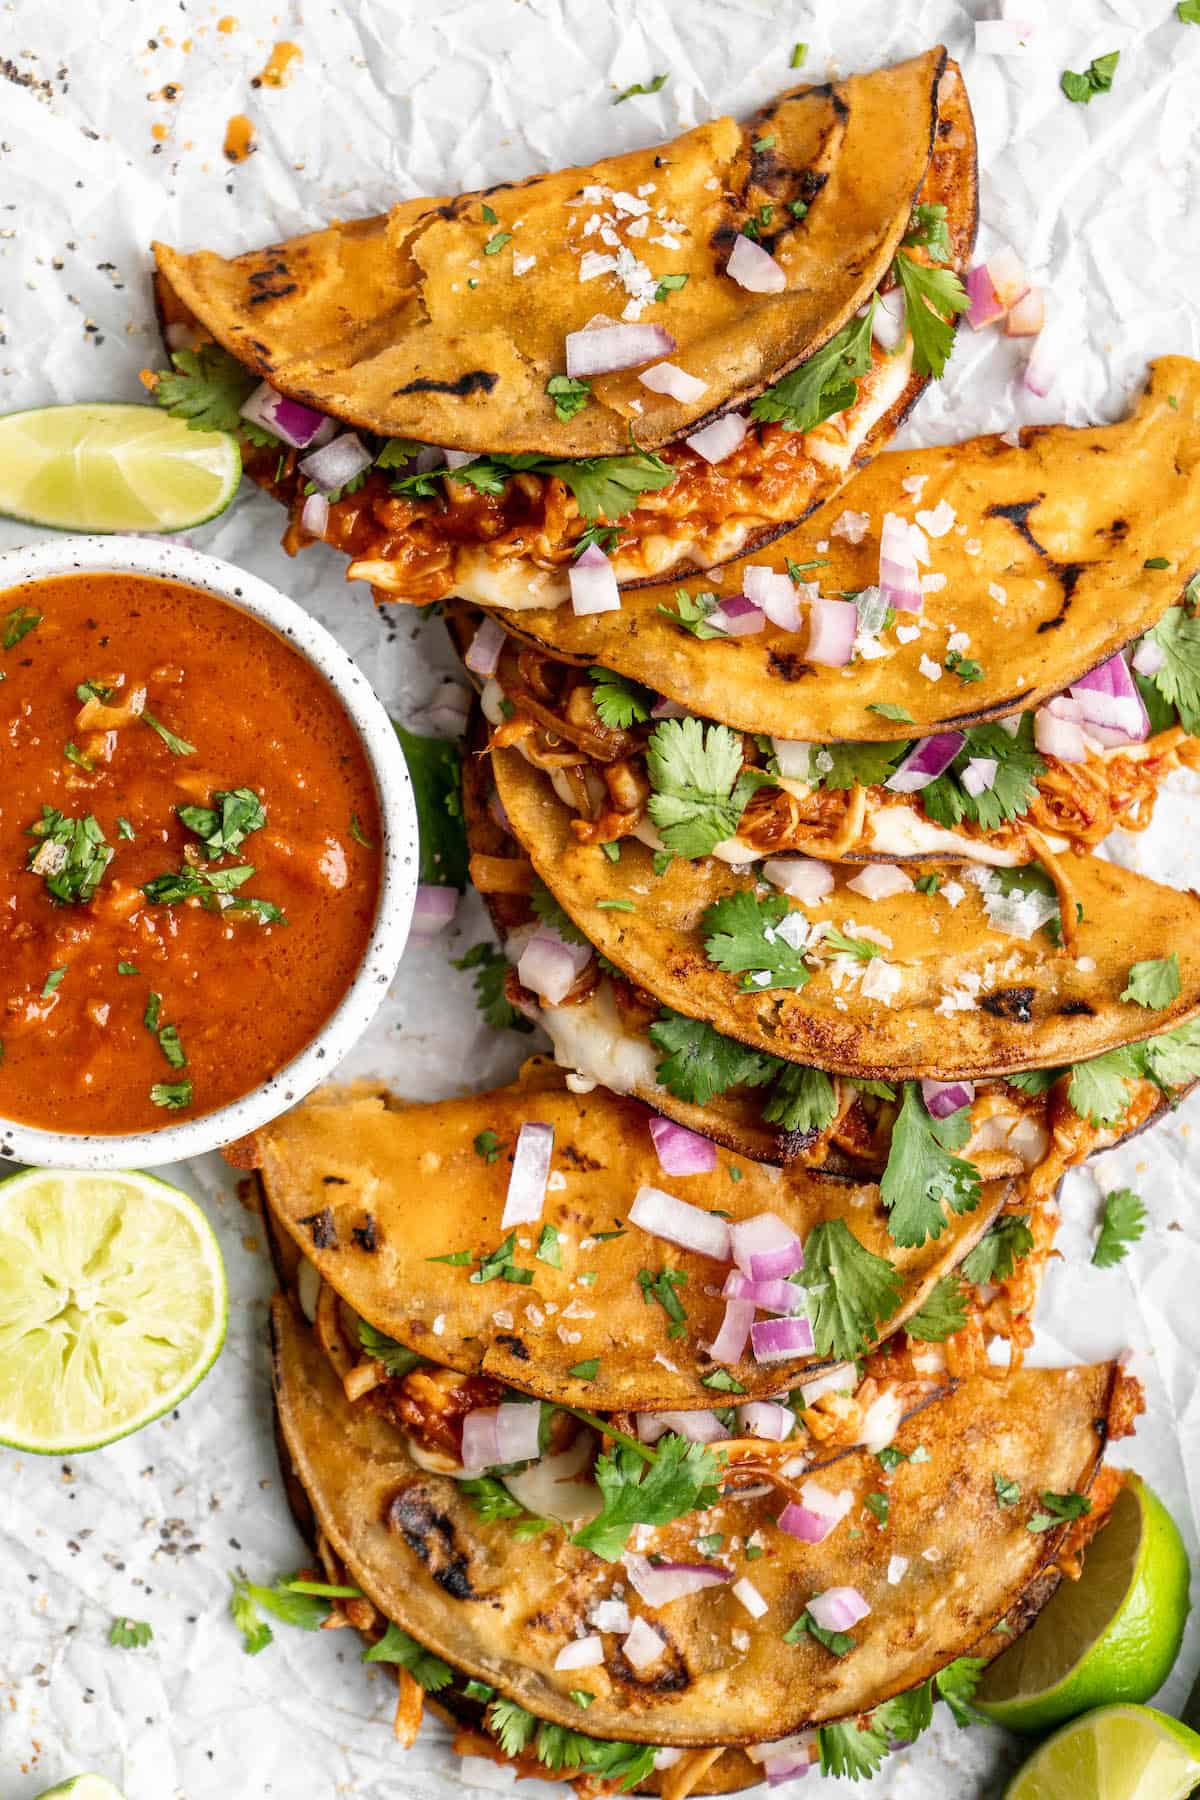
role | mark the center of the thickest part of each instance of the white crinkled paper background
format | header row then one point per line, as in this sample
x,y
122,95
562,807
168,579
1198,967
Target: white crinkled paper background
x,y
390,100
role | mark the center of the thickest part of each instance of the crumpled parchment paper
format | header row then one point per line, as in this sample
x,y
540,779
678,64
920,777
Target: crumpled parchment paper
x,y
112,117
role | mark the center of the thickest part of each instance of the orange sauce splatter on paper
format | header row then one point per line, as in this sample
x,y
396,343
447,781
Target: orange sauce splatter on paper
x,y
227,24
239,138
277,71
159,133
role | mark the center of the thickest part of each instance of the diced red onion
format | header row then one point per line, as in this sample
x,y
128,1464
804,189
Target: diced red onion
x,y
428,458
899,579
889,323
729,1345
530,1172
299,426
945,1097
792,757
765,1247
458,459
985,307
551,967
1042,366
483,652
803,1741
805,1523
1109,696
926,760
433,910
879,881
775,593
721,438
668,709
677,384
745,1591
681,1152
838,1608
660,1583
979,774
769,1296
701,1427
678,1222
446,714
791,1765
1008,276
580,1653
643,1646
314,515
775,1340
336,463
593,584
802,878
766,1419
602,349
881,1421
480,1449
517,1427
832,629
754,268
737,617
1028,316
1055,736
1149,657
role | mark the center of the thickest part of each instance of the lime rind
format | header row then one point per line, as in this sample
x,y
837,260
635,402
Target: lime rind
x,y
113,1306
105,467
84,1787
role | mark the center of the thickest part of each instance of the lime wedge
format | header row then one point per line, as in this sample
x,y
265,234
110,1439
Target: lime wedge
x,y
1117,1753
84,1787
104,466
112,1305
1112,1635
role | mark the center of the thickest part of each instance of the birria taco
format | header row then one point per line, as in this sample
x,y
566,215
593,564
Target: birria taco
x,y
649,364
593,1587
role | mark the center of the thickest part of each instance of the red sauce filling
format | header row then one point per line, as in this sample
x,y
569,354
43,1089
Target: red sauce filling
x,y
239,993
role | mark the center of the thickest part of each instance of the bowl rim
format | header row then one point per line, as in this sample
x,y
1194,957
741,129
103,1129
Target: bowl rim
x,y
251,594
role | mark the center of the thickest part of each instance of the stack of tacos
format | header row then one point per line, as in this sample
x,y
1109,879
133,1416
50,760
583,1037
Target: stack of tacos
x,y
663,1419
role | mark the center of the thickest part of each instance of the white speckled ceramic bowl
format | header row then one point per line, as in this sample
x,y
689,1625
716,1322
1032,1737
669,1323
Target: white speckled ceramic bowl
x,y
398,881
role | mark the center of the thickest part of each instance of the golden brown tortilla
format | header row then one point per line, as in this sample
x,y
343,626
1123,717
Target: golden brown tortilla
x,y
1031,1007
385,331
370,1193
500,1609
1044,565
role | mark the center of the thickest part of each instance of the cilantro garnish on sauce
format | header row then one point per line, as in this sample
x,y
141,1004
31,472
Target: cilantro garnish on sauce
x,y
16,625
225,825
176,745
71,856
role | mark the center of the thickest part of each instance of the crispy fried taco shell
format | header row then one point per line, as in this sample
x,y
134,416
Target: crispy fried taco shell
x,y
500,1610
373,1193
971,1000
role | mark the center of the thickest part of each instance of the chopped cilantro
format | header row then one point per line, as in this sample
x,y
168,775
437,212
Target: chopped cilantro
x,y
862,949
682,1479
890,1458
488,1146
641,87
128,968
396,1358
722,1381
557,1748
171,1047
887,709
16,625
225,825
943,1313
764,143
605,537
1007,1492
52,982
966,670
497,1264
551,913
569,394
662,1286
851,1291
358,834
129,1634
176,745
1154,983
124,828
1058,1510
587,1370
72,872
173,1095
395,1646
735,937
1157,562
700,789
827,383
799,52
1097,78
612,850
838,1643
619,702
489,215
1123,1224
998,1251
548,1249
497,242
490,969
669,284
692,612
922,1176
927,884
75,755
879,1505
929,294
927,227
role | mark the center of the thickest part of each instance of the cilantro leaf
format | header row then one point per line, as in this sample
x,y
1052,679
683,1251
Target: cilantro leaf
x,y
851,1290
395,1646
555,1746
256,1633
862,949
491,968
436,774
827,383
927,227
801,1099
700,788
511,1725
662,1286
921,1175
130,1634
850,1749
1171,1059
943,1313
569,395
1033,1081
997,1252
1155,982
1018,767
208,388
1123,1224
957,1682
840,766
682,1479
398,451
887,709
396,1358
619,702
699,1063
641,87
1097,78
838,1643
609,486
176,745
551,913
1098,1089
905,1716
929,294
735,937
1059,1509
1007,1492
692,613
1177,635
72,869
225,825
16,625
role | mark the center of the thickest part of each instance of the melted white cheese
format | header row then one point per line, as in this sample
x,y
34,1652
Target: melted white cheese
x,y
901,830
592,1040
